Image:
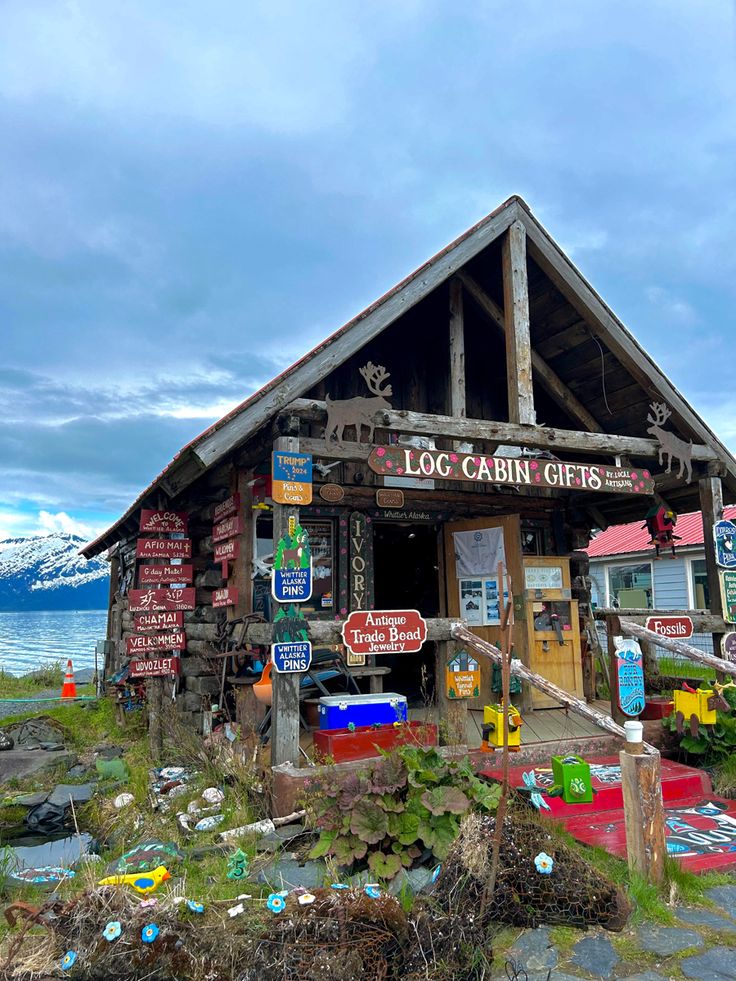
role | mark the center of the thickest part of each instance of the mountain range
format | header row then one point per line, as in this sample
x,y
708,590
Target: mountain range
x,y
47,573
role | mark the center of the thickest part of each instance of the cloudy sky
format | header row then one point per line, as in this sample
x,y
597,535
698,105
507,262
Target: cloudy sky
x,y
193,194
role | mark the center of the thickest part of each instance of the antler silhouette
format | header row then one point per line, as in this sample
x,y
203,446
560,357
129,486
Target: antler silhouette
x,y
374,375
661,413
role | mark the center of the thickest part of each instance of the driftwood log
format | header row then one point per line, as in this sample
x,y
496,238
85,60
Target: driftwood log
x,y
678,647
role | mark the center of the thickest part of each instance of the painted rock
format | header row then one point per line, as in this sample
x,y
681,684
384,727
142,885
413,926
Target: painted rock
x,y
213,795
208,823
122,800
45,873
6,741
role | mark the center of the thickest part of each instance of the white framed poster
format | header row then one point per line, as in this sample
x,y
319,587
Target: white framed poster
x,y
471,601
492,602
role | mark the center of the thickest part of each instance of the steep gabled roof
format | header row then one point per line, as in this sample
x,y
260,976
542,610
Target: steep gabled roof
x,y
220,439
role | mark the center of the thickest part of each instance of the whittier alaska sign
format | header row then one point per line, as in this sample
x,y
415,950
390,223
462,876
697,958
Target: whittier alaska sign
x,y
446,465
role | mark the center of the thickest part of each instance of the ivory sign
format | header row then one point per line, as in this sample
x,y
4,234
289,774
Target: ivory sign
x,y
163,521
145,643
407,462
154,600
384,632
163,548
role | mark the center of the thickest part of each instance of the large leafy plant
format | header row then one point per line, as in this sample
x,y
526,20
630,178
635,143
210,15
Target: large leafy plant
x,y
388,814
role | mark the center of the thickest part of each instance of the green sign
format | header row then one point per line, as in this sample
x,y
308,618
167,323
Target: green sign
x,y
728,594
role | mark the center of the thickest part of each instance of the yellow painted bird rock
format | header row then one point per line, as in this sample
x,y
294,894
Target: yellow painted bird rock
x,y
142,882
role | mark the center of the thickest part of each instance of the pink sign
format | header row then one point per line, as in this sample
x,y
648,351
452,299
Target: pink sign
x,y
225,597
163,521
176,640
229,506
158,621
227,550
163,548
153,600
151,575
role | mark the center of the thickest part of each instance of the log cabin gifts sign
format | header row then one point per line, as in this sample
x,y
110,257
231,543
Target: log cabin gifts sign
x,y
291,580
291,477
515,471
384,632
463,676
630,675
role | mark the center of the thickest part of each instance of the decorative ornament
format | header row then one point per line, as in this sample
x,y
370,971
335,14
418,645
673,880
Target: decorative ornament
x,y
142,882
669,444
276,903
112,931
149,933
530,782
67,961
339,885
544,863
148,903
306,899
359,411
578,787
436,873
372,890
351,727
660,523
237,865
194,906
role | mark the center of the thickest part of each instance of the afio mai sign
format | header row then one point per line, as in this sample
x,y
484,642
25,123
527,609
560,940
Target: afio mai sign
x,y
677,627
447,465
163,548
384,632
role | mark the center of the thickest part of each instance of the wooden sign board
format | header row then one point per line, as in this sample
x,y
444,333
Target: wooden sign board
x,y
291,478
724,534
176,640
155,667
384,632
388,497
228,596
154,600
447,465
360,572
630,674
152,575
728,646
229,549
158,621
728,594
161,522
332,493
291,581
163,548
677,627
230,505
229,528
463,676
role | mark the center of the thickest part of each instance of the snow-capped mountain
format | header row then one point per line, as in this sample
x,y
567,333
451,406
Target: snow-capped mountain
x,y
47,573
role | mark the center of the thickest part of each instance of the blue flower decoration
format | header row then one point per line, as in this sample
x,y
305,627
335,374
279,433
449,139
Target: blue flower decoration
x,y
149,933
544,863
112,931
67,960
436,873
373,891
351,727
276,903
339,885
195,907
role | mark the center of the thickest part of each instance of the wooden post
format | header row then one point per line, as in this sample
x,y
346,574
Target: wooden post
x,y
452,712
711,506
516,325
154,701
613,630
641,781
457,351
285,707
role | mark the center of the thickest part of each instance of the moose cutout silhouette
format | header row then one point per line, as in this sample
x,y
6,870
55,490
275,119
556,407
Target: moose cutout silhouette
x,y
669,444
361,410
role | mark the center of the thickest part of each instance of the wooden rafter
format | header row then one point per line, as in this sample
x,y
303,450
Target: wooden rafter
x,y
516,327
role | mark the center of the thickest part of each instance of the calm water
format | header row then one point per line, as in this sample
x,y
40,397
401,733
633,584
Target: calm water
x,y
30,639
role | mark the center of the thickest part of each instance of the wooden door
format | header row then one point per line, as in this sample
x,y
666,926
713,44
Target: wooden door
x,y
512,548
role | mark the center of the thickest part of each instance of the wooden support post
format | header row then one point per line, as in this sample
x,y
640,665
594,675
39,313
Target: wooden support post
x,y
711,506
285,707
457,351
641,782
452,712
516,325
613,630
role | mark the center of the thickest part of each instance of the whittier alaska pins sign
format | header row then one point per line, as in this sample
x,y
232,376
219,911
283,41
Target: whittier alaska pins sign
x,y
292,568
403,461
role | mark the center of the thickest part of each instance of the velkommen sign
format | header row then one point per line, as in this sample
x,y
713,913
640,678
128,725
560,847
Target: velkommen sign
x,y
447,465
384,632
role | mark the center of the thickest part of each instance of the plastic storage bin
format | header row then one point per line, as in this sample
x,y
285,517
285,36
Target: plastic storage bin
x,y
338,711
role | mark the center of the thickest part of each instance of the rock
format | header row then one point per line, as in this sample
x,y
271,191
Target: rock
x,y
213,795
665,941
534,951
716,964
287,873
645,976
77,771
595,955
279,837
203,685
412,879
6,741
79,793
706,918
109,752
122,800
20,763
725,897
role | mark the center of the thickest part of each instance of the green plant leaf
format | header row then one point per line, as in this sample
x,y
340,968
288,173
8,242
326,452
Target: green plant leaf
x,y
692,745
408,830
369,822
442,833
384,866
440,800
348,849
393,805
486,794
323,844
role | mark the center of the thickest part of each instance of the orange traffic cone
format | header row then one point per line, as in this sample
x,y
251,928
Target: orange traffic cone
x,y
69,689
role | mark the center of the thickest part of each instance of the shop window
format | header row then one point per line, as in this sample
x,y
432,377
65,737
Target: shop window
x,y
699,583
630,586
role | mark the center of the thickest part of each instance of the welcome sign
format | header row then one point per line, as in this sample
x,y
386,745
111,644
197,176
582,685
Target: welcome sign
x,y
405,461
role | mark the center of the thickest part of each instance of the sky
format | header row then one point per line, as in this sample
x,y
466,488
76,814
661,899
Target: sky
x,y
192,195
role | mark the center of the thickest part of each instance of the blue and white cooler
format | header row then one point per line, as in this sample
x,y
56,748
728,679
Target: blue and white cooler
x,y
338,711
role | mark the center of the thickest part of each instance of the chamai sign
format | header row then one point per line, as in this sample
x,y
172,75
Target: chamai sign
x,y
292,568
404,461
630,674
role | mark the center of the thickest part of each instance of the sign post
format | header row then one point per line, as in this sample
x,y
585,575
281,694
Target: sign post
x,y
724,534
630,674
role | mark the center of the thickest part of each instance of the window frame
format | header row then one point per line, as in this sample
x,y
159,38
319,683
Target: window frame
x,y
617,565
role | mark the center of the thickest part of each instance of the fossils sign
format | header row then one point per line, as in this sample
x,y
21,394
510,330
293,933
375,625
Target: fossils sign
x,y
679,628
152,575
407,462
154,600
163,521
163,548
384,632
158,621
155,667
176,640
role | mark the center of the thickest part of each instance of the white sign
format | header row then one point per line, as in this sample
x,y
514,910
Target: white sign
x,y
543,577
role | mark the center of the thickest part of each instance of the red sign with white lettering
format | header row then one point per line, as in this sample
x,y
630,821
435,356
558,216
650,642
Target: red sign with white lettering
x,y
225,597
151,600
163,521
227,550
676,627
228,507
158,621
228,528
384,632
163,548
152,575
155,667
176,640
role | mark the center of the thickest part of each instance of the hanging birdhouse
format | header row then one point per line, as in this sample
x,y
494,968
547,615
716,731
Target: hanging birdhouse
x,y
660,523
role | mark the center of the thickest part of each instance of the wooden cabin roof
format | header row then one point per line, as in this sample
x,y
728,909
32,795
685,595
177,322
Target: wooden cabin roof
x,y
608,377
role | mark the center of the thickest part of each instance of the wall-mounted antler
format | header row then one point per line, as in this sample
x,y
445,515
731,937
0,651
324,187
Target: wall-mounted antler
x,y
661,413
374,375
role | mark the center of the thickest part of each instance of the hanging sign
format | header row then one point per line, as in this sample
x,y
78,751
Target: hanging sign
x,y
155,667
230,505
728,594
230,549
291,478
676,627
387,497
225,597
158,621
630,673
724,533
332,493
163,521
153,600
384,632
163,548
463,676
229,528
151,575
291,581
404,461
145,643
361,562
728,646
292,650
292,658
